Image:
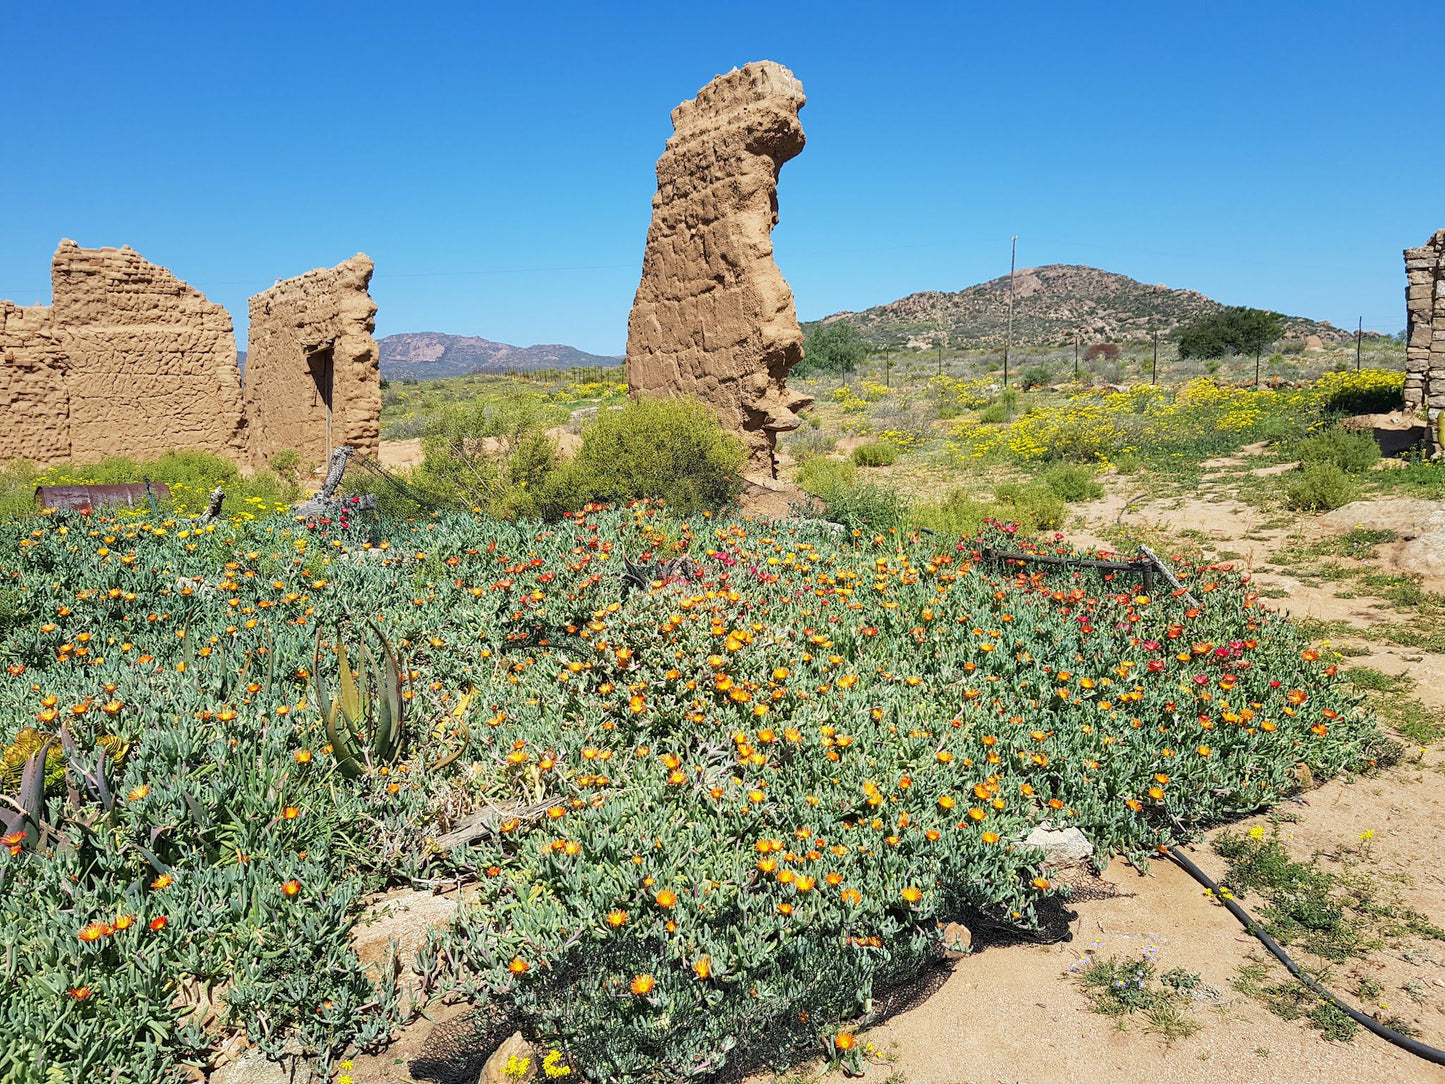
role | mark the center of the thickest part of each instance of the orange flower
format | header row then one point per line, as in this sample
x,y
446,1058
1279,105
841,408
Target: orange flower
x,y
990,837
616,917
165,880
702,966
82,993
844,1040
291,887
519,966
290,812
303,756
159,923
137,793
1041,883
12,842
912,894
642,985
124,922
95,931
666,898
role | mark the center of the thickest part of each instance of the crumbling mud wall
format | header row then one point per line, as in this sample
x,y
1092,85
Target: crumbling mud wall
x,y
713,317
151,362
34,413
313,370
1425,344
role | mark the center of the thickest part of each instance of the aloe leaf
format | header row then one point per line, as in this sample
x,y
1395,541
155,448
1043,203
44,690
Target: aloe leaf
x,y
323,705
350,697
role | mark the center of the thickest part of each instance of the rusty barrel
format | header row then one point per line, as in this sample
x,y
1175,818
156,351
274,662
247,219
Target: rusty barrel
x,y
81,498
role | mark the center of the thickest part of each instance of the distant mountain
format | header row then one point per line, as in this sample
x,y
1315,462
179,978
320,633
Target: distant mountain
x,y
1051,305
425,355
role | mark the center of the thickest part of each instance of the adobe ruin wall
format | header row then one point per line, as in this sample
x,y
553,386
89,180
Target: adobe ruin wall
x,y
713,317
313,370
128,360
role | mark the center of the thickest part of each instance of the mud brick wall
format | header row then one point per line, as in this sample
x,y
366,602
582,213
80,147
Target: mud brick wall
x,y
1425,346
310,342
151,362
34,413
713,317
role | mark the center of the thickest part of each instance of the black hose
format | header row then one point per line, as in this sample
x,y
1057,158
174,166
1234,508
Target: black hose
x,y
1390,1035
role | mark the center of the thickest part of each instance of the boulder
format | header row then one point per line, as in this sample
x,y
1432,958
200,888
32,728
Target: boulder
x,y
1061,846
514,1062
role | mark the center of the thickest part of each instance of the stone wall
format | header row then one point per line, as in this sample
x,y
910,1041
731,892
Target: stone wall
x,y
713,317
1425,349
32,387
152,363
311,348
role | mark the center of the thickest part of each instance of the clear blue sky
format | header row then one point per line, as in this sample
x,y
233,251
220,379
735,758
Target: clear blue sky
x,y
496,160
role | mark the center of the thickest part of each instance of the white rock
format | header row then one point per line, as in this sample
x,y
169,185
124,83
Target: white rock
x,y
1060,845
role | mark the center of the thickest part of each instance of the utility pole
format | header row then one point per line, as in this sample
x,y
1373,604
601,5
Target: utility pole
x,y
940,356
1359,337
1154,372
1008,342
1076,357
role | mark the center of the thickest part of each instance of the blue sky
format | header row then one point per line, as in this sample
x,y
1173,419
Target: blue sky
x,y
496,160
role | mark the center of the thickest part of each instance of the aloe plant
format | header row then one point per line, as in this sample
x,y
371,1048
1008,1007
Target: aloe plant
x,y
364,720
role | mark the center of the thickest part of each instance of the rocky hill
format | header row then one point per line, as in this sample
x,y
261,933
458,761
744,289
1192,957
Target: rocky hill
x,y
424,355
1051,305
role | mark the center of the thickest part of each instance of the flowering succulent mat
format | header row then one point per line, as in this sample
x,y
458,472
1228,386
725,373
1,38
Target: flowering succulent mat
x,y
721,811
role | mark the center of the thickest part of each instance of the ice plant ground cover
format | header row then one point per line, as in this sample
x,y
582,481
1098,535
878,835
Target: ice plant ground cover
x,y
732,807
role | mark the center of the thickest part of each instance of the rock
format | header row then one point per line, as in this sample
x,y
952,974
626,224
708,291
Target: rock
x,y
515,1051
402,916
254,1067
713,317
1060,845
1423,556
957,940
1395,432
1314,344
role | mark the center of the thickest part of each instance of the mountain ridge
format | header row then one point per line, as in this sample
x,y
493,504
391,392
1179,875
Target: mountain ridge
x,y
1052,304
426,355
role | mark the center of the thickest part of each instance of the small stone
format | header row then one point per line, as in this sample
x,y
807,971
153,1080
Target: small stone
x,y
1060,845
514,1062
957,940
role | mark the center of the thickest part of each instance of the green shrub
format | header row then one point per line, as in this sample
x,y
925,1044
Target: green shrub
x,y
864,504
672,449
1035,376
1318,487
875,454
1033,506
832,348
1352,452
1072,482
825,475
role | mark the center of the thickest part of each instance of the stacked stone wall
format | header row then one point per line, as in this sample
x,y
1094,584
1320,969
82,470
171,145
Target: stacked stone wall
x,y
1425,346
310,335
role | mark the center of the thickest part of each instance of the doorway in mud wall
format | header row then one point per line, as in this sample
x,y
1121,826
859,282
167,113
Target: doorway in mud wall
x,y
321,365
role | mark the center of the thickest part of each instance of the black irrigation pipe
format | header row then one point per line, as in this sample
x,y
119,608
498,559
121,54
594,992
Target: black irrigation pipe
x,y
1390,1035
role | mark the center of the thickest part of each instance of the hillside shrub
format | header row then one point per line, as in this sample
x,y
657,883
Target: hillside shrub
x,y
825,475
1106,351
865,504
1352,451
669,449
1319,487
1033,505
1234,329
833,348
1370,391
875,454
1035,376
1072,482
